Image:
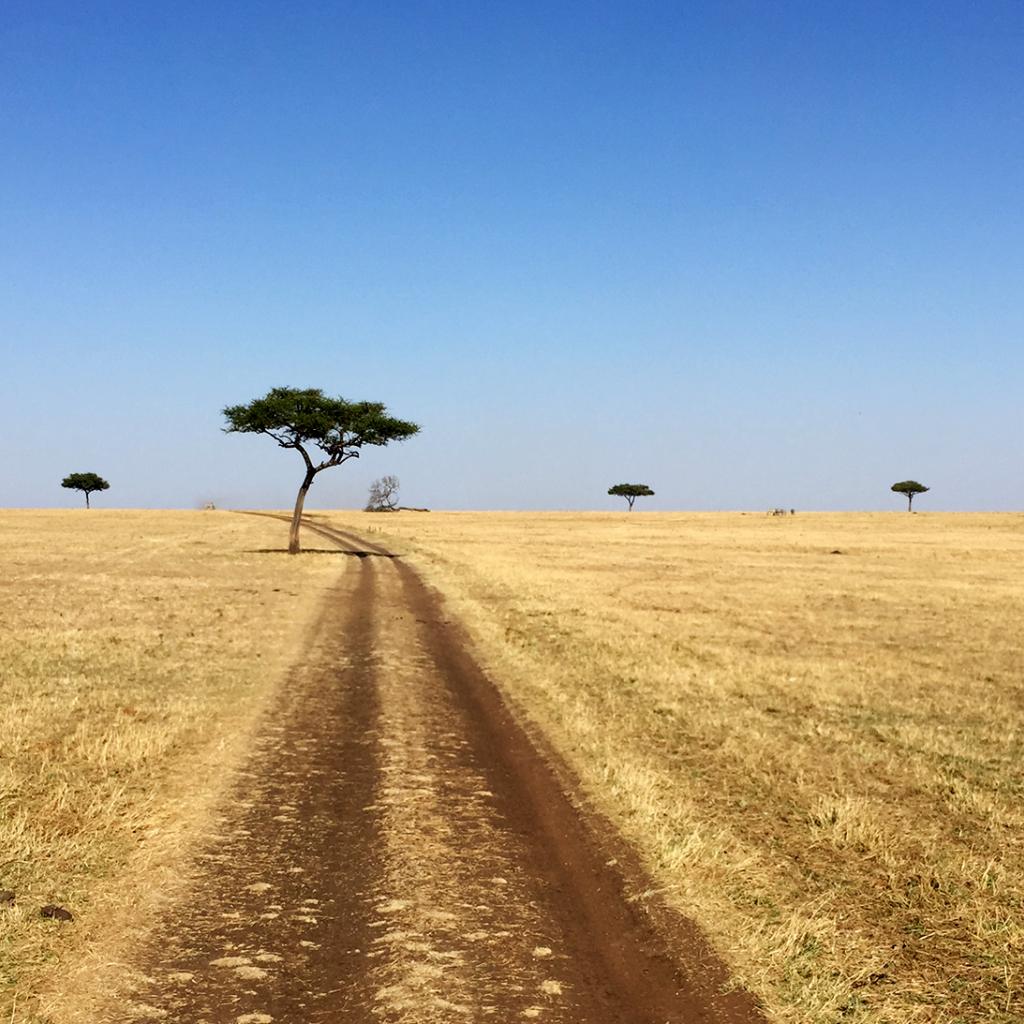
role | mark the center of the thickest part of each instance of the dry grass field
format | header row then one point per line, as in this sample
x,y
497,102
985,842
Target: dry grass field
x,y
136,652
810,727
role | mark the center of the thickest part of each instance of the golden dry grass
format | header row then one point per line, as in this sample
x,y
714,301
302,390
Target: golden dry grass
x,y
810,727
137,650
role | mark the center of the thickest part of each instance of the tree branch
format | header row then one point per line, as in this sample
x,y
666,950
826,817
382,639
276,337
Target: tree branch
x,y
284,441
337,458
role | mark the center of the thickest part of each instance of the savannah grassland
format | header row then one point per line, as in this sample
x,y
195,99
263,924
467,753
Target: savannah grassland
x,y
137,650
811,727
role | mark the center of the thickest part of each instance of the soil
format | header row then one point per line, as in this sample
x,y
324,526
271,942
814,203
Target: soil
x,y
400,848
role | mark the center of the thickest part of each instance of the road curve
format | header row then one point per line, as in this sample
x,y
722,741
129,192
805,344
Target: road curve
x,y
397,850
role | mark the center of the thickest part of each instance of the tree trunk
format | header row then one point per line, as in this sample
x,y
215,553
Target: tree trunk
x,y
86,499
630,500
910,503
293,536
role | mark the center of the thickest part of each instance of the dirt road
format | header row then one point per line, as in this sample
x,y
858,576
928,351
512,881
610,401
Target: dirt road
x,y
397,850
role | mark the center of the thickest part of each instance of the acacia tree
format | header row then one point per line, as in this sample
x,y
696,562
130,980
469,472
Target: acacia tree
x,y
85,482
383,495
631,492
307,419
910,488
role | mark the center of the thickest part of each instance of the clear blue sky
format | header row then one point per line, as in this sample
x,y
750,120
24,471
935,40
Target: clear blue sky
x,y
750,253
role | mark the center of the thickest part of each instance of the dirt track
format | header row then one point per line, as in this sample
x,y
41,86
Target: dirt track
x,y
398,850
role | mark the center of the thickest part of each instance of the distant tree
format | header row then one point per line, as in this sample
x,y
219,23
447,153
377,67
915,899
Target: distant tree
x,y
631,492
88,483
383,495
910,488
307,418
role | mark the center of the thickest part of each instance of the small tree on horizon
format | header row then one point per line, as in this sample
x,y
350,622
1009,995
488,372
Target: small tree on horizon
x,y
909,488
88,483
383,495
631,492
304,419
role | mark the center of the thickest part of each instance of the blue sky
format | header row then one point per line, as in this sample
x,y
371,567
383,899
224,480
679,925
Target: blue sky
x,y
753,254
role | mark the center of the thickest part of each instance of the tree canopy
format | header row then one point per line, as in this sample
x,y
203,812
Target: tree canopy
x,y
631,492
299,418
909,488
88,483
307,420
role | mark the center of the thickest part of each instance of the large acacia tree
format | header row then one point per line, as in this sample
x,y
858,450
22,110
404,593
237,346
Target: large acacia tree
x,y
308,420
87,483
631,492
910,489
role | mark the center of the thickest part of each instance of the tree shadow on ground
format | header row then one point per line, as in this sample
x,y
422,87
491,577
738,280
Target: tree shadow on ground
x,y
350,552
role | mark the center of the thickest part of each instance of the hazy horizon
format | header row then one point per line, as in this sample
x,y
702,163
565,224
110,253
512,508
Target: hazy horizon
x,y
753,256
312,506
